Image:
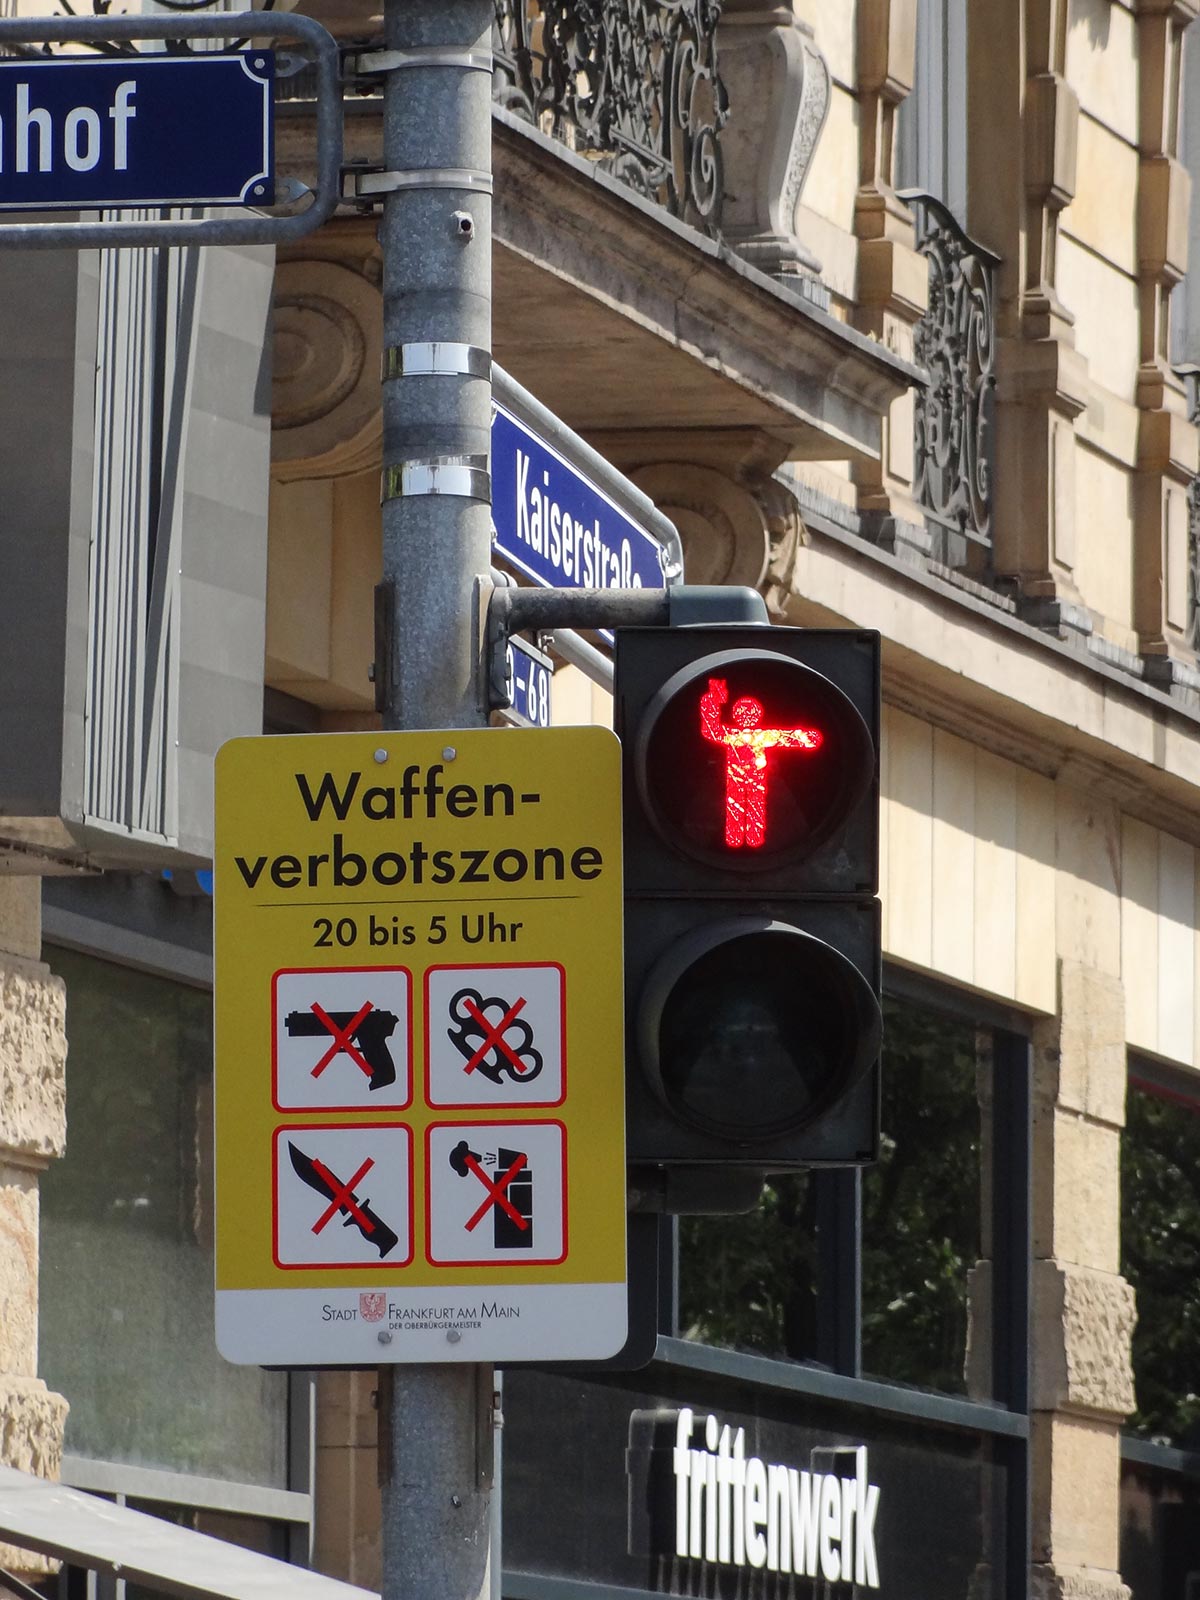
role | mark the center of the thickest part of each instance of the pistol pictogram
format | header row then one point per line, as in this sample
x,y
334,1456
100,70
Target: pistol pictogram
x,y
362,1035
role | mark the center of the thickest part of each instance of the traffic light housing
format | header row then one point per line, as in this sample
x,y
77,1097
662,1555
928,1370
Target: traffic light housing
x,y
752,934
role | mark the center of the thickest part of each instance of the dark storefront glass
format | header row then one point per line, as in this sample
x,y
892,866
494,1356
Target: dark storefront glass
x,y
126,1310
751,1282
1160,1532
1160,1257
585,1499
923,1202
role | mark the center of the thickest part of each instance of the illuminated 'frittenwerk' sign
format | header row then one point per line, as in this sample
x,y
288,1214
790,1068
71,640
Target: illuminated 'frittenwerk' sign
x,y
738,1510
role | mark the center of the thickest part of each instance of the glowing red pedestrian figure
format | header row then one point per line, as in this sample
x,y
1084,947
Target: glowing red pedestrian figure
x,y
746,744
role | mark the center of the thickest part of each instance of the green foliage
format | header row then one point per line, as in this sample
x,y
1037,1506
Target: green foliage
x,y
1160,1256
750,1282
921,1203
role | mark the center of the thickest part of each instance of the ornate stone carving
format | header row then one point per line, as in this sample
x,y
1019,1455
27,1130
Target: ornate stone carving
x,y
631,83
325,379
956,341
779,89
722,525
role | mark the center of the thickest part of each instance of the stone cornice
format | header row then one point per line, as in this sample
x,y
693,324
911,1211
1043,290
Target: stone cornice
x,y
994,680
760,354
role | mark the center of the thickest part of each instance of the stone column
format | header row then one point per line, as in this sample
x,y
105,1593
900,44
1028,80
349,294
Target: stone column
x,y
1022,175
33,1051
1167,442
1083,1311
346,1542
893,277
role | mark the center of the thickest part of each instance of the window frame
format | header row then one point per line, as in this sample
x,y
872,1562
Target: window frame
x,y
135,931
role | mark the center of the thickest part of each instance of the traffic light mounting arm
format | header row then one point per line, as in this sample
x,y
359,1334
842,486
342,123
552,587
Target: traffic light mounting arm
x,y
684,605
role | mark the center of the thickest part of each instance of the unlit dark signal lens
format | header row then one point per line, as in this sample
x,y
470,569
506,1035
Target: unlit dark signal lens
x,y
753,1034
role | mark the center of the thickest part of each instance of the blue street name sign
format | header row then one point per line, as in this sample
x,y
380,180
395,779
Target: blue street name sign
x,y
530,675
556,526
137,130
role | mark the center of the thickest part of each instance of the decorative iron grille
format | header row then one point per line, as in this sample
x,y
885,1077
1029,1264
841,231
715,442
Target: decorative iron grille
x,y
956,342
632,84
1191,377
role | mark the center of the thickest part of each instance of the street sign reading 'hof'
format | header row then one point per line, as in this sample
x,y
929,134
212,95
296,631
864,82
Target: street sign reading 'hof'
x,y
137,130
419,1048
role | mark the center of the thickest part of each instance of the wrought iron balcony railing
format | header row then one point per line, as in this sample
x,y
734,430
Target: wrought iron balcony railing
x,y
956,342
1191,377
632,84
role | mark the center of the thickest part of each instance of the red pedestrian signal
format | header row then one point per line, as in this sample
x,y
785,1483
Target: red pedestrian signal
x,y
750,760
746,743
751,927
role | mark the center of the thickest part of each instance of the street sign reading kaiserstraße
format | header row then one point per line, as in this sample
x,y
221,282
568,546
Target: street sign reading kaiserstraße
x,y
419,1048
562,516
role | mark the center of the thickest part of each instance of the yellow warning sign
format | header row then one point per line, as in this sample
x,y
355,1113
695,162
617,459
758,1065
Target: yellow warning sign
x,y
419,1047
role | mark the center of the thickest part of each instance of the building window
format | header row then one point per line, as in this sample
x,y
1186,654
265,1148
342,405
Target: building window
x,y
931,124
761,1282
1160,1254
127,1252
922,1203
126,1298
1160,1257
750,1282
956,338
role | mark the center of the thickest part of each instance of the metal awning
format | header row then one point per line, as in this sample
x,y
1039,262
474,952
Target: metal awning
x,y
90,1532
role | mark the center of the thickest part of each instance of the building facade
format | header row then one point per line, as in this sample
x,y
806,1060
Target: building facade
x,y
888,305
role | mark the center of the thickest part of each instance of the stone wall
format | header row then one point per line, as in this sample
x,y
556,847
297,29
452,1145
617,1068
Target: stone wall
x,y
33,1051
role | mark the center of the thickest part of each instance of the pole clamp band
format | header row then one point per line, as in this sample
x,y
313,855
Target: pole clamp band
x,y
372,63
465,476
439,358
465,178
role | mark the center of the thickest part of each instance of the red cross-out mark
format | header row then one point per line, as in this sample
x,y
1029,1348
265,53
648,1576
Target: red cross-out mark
x,y
344,1195
342,1037
495,1193
494,1035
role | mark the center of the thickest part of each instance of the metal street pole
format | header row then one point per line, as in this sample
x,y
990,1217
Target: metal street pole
x,y
437,246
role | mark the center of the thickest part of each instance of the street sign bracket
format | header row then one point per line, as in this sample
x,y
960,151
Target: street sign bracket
x,y
378,63
225,230
366,185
